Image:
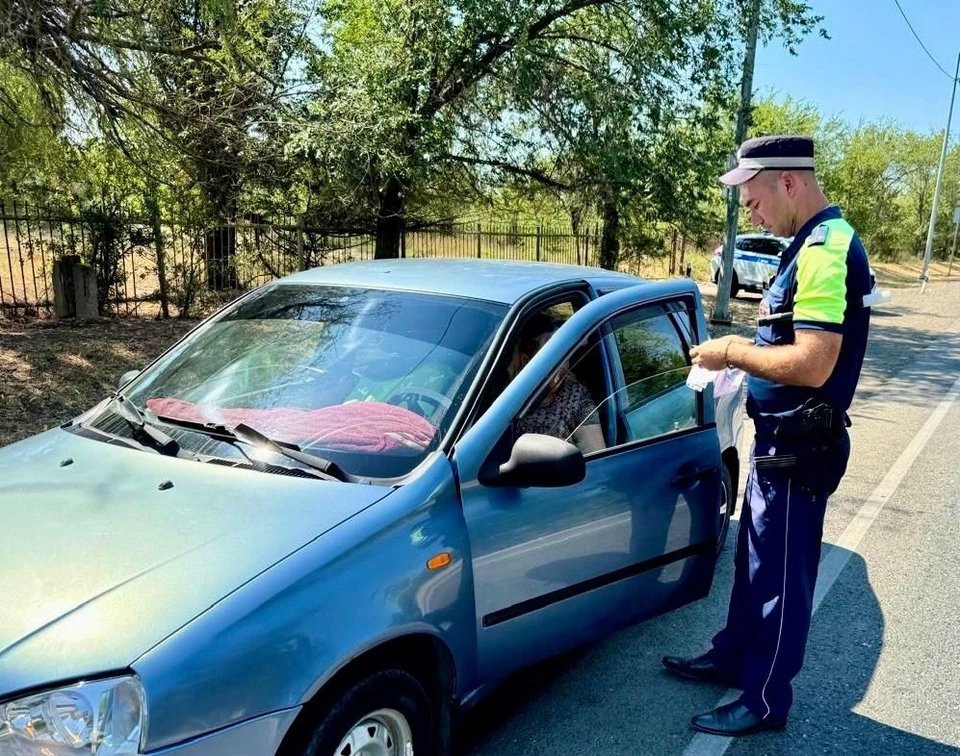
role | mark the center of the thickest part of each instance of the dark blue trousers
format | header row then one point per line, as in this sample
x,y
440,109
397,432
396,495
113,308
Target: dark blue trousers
x,y
776,563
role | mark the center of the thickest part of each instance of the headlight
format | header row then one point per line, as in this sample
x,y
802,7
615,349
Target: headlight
x,y
103,718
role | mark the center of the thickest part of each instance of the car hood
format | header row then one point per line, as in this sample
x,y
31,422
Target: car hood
x,y
103,557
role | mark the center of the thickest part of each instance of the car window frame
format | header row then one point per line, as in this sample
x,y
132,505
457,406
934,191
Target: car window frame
x,y
670,307
498,355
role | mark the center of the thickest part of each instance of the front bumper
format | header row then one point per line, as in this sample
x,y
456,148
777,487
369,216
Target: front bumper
x,y
256,737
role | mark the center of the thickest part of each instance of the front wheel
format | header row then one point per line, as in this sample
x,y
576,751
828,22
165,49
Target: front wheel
x,y
387,713
734,286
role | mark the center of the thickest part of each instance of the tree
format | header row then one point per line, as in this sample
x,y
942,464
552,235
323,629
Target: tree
x,y
623,108
227,110
609,99
89,55
405,91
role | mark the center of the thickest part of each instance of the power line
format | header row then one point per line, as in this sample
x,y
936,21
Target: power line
x,y
945,73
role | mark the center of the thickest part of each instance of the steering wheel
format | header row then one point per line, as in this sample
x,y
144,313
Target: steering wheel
x,y
411,398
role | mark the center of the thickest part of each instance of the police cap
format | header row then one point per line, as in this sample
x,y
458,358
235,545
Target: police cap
x,y
780,152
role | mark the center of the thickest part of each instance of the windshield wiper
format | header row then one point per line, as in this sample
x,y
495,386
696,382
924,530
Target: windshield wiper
x,y
143,430
252,437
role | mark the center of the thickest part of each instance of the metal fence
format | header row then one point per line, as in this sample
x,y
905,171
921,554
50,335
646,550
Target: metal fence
x,y
145,268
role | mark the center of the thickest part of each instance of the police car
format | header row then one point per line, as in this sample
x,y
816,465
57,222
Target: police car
x,y
755,261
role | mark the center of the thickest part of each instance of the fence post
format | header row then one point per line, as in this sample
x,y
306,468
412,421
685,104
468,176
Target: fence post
x,y
3,214
403,243
23,274
74,289
538,242
478,241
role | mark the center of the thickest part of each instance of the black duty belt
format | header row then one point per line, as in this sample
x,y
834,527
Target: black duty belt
x,y
815,420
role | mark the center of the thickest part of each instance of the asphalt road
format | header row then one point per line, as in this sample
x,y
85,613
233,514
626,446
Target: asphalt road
x,y
882,674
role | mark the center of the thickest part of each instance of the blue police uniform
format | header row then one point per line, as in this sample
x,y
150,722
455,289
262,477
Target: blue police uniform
x,y
800,454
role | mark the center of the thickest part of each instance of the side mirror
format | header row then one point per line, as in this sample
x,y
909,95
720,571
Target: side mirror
x,y
126,378
540,462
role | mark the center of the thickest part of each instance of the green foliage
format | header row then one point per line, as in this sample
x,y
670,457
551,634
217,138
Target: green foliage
x,y
371,116
881,174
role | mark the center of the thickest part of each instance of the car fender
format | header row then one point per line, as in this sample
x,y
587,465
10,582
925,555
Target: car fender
x,y
278,639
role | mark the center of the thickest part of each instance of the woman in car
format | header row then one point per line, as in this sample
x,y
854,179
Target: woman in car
x,y
566,410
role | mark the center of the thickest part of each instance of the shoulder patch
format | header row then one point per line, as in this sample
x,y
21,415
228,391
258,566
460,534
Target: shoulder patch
x,y
817,236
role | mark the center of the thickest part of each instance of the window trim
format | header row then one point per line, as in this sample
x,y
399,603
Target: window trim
x,y
631,446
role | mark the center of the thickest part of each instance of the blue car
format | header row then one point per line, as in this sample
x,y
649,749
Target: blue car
x,y
323,523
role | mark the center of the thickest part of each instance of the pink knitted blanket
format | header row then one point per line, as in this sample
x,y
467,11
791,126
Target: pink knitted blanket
x,y
356,427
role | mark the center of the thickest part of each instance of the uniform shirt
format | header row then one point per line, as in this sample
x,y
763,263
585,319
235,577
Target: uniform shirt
x,y
824,275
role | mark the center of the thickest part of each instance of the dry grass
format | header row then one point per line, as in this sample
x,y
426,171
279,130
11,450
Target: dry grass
x,y
903,274
51,371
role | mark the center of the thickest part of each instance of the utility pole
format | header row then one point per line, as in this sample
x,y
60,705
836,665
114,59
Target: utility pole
x,y
721,305
928,251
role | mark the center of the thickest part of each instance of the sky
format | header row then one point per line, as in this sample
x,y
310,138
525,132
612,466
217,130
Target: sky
x,y
872,68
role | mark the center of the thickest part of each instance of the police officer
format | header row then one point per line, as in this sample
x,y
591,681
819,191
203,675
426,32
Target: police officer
x,y
803,370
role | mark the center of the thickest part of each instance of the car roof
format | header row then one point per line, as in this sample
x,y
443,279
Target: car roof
x,y
761,236
502,281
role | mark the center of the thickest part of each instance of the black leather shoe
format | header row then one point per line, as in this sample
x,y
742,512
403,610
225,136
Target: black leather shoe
x,y
734,719
699,668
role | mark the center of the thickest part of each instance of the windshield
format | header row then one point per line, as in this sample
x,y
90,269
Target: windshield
x,y
369,379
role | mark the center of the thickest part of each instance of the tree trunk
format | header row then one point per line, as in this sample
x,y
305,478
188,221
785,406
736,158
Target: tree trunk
x,y
576,214
152,202
673,254
610,241
220,186
220,245
390,220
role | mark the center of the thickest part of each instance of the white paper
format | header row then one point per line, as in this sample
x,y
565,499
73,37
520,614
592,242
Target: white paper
x,y
728,382
877,298
700,378
724,382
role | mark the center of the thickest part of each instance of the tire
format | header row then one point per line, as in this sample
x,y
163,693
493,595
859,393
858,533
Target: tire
x,y
734,286
386,708
725,505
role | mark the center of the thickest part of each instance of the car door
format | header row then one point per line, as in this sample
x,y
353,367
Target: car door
x,y
751,263
556,567
770,250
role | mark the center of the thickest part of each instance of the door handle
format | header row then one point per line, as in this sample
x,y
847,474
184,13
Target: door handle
x,y
687,476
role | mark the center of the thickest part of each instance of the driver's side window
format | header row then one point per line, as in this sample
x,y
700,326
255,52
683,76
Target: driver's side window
x,y
654,350
567,406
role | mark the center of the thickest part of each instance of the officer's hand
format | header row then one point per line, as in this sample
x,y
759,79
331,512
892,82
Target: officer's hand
x,y
710,355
